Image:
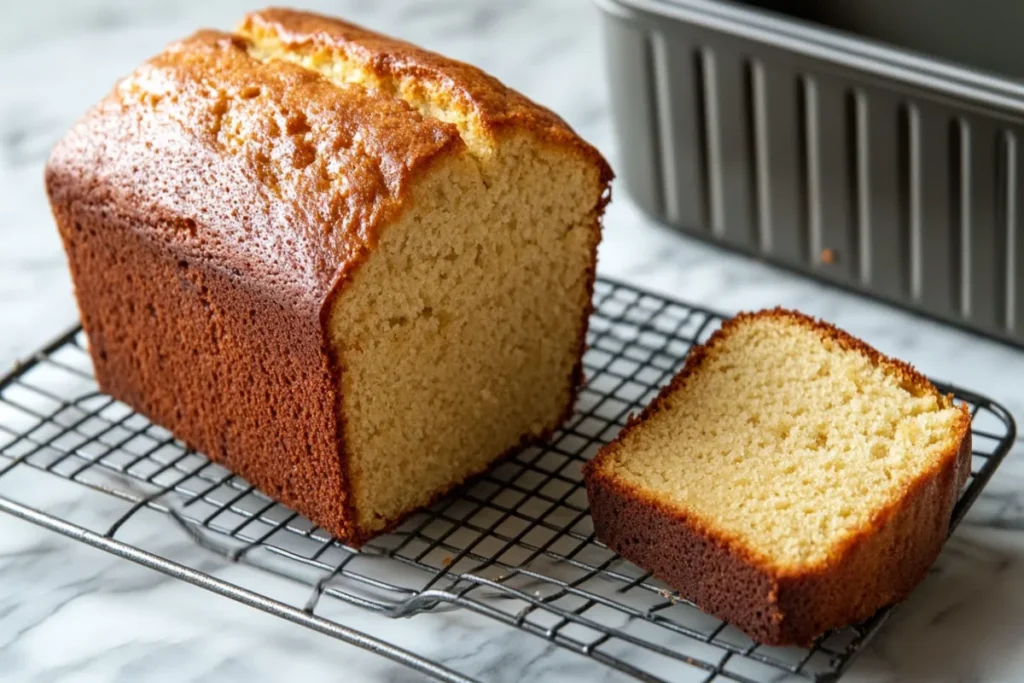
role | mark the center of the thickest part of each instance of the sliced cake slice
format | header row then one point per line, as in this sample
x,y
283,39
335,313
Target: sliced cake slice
x,y
789,480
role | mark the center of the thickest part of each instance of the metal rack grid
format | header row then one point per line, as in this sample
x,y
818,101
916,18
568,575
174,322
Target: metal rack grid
x,y
516,545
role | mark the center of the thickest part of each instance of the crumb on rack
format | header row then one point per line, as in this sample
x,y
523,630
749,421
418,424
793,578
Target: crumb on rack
x,y
447,561
828,256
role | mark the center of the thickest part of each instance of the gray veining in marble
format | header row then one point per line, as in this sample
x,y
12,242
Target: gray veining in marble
x,y
70,613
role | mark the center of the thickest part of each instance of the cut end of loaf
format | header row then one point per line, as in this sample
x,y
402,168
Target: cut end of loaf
x,y
460,338
787,438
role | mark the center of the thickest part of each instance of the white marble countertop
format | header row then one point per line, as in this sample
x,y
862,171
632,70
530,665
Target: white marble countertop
x,y
71,613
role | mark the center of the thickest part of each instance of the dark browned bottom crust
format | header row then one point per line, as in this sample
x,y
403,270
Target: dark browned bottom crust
x,y
357,539
353,538
878,567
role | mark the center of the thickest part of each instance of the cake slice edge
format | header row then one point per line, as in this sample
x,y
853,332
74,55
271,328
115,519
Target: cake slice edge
x,y
722,575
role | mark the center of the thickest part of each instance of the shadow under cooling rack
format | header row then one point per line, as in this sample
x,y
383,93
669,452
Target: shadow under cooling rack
x,y
515,546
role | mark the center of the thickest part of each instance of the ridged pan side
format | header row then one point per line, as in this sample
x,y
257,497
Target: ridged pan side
x,y
870,183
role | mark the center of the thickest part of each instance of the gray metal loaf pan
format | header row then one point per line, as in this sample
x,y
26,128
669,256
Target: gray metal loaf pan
x,y
879,169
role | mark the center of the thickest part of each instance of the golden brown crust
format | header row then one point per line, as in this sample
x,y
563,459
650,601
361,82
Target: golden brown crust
x,y
495,107
214,205
872,568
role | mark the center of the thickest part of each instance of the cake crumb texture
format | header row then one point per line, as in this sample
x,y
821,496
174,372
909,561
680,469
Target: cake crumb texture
x,y
791,457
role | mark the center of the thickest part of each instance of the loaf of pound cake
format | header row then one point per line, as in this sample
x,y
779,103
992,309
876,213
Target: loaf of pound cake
x,y
789,480
351,270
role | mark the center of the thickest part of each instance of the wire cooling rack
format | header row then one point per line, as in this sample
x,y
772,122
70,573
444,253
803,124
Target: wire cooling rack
x,y
516,545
